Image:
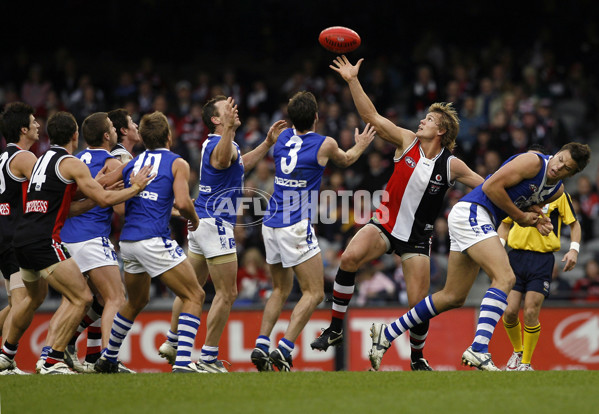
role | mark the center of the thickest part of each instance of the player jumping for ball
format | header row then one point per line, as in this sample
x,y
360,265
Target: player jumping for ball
x,y
424,170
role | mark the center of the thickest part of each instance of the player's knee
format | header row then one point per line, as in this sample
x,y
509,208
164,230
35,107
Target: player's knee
x,y
37,300
197,296
531,316
139,302
349,261
318,298
510,316
84,299
116,301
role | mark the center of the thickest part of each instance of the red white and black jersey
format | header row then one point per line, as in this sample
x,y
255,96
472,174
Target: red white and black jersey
x,y
48,200
12,196
415,194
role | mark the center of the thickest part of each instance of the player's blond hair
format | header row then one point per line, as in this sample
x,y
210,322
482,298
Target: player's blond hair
x,y
449,122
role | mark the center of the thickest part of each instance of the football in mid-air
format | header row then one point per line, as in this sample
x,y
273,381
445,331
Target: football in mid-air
x,y
339,39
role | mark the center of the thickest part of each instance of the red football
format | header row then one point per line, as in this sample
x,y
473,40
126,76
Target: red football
x,y
339,39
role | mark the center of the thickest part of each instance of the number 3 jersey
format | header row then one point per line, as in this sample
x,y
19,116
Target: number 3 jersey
x,y
48,200
297,178
12,192
97,221
148,213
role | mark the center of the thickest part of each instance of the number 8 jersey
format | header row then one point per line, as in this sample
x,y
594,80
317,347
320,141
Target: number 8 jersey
x,y
48,200
297,179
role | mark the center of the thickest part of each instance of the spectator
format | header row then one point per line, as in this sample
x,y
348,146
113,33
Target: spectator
x,y
374,287
253,280
589,205
586,289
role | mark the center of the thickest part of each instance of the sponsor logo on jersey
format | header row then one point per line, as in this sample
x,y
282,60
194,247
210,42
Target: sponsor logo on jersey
x,y
438,177
434,189
205,189
533,187
4,209
36,206
577,337
148,195
410,162
288,182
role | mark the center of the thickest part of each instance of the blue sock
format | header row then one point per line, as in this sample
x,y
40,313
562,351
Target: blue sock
x,y
492,307
45,351
422,312
118,333
187,330
172,338
286,347
263,343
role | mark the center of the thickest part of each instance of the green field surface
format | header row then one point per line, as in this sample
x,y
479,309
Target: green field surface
x,y
565,392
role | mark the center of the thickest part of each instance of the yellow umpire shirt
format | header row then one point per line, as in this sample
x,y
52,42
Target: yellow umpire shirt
x,y
528,238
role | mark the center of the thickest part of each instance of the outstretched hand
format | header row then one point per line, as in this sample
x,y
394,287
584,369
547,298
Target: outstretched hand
x,y
365,138
230,115
274,132
143,177
344,68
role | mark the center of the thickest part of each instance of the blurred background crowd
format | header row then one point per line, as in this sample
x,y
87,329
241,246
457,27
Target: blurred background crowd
x,y
511,90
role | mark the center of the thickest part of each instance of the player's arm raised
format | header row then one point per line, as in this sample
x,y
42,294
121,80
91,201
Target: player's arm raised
x,y
74,169
385,129
183,202
462,173
251,158
330,150
223,155
524,166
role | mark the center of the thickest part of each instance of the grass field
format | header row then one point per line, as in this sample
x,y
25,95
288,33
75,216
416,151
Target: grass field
x,y
565,392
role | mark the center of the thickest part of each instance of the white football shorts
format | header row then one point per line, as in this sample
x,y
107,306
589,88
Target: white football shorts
x,y
93,253
469,224
154,256
212,238
290,245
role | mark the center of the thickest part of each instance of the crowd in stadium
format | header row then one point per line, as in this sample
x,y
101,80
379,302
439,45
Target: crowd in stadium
x,y
507,100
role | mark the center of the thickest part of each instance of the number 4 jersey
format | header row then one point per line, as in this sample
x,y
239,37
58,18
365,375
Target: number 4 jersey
x,y
48,200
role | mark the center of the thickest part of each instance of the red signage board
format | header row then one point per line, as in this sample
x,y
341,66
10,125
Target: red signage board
x,y
569,340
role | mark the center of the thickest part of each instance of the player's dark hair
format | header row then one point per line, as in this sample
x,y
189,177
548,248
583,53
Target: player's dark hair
x,y
61,127
209,110
119,120
302,110
16,115
154,130
94,127
581,153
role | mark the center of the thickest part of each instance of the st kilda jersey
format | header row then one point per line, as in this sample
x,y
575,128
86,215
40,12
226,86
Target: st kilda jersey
x,y
415,194
12,191
48,200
